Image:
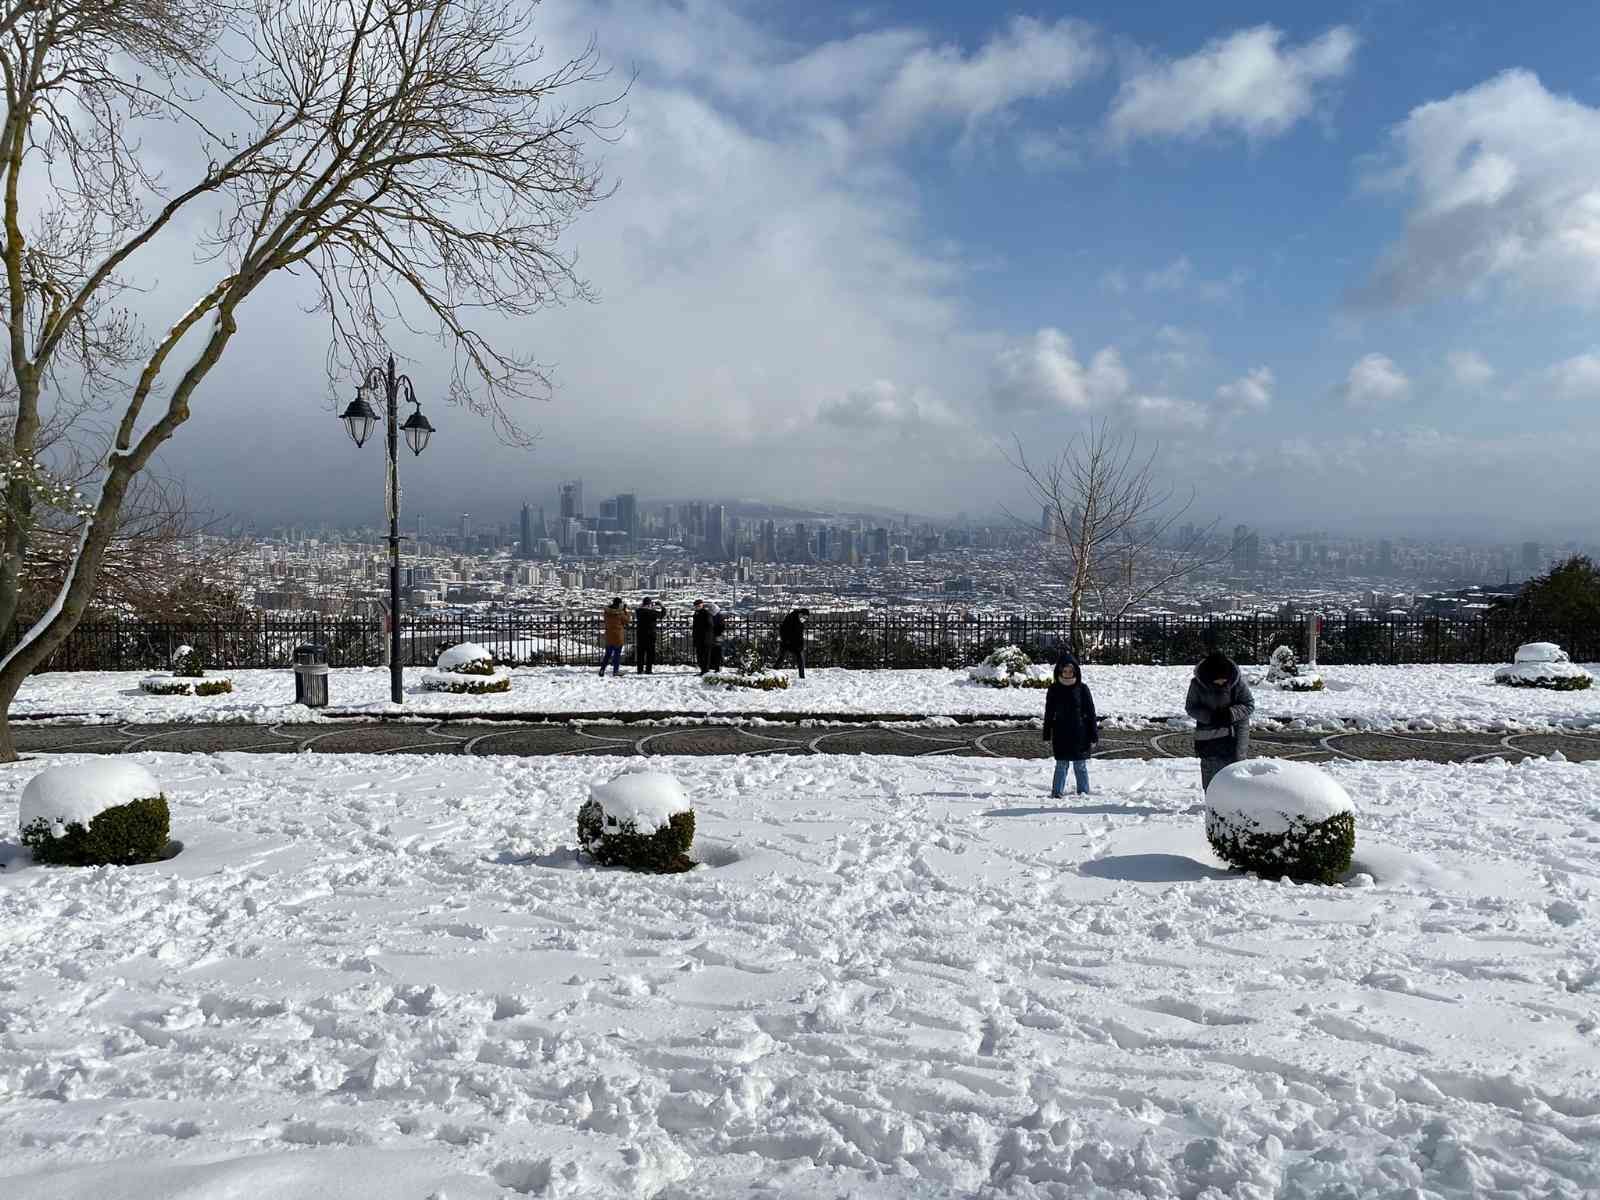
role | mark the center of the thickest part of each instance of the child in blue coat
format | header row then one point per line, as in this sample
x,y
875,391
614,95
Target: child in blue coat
x,y
1069,727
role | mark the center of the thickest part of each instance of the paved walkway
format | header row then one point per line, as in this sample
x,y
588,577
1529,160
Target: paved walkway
x,y
596,737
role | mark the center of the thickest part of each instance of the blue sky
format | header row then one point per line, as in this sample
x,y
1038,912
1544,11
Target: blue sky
x,y
1340,260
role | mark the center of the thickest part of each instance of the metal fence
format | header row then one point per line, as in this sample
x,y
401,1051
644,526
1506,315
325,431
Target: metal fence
x,y
907,638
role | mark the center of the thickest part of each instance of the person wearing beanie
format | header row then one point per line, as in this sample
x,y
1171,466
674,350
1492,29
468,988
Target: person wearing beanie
x,y
1220,703
1070,727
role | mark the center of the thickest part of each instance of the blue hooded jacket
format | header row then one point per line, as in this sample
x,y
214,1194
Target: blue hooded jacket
x,y
1069,719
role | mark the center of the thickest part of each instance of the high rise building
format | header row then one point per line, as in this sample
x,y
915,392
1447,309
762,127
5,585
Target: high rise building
x,y
572,499
466,526
1532,558
525,549
628,515
716,532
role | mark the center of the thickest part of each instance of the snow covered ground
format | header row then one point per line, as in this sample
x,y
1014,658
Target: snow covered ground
x,y
1416,697
381,977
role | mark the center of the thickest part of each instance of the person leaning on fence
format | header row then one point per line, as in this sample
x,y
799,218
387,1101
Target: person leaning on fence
x,y
1220,702
616,627
792,638
1070,726
646,618
700,633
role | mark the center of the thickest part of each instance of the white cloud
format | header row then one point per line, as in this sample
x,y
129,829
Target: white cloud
x,y
1044,374
1469,368
1248,83
1577,377
1374,382
1505,188
1029,60
884,405
1250,393
1179,276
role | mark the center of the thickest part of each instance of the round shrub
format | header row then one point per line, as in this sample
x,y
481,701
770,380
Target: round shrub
x,y
1009,666
1281,818
640,820
188,662
174,685
1544,665
750,671
94,814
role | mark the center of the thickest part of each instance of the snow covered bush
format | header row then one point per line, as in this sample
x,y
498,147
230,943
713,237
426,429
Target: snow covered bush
x,y
641,820
94,814
1009,666
467,669
1281,818
750,672
1544,665
1285,672
187,678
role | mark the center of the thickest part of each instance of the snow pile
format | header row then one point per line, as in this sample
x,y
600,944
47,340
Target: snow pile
x,y
1009,666
646,800
466,669
384,976
1544,665
642,820
464,655
1285,673
76,795
1279,817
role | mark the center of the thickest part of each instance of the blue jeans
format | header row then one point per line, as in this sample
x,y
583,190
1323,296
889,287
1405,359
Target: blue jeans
x,y
613,658
1080,772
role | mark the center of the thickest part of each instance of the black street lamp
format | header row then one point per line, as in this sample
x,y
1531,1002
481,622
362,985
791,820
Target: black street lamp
x,y
359,418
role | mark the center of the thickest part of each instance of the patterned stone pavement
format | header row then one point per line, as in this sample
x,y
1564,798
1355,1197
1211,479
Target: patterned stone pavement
x,y
644,737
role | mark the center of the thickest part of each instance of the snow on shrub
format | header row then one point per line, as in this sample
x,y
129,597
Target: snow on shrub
x,y
187,678
468,669
1544,665
749,672
94,814
1009,666
1285,672
1281,818
641,820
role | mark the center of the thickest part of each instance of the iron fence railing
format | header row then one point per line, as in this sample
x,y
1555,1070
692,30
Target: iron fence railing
x,y
876,639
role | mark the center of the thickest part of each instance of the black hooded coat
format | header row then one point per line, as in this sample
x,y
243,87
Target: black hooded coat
x,y
1221,714
1069,720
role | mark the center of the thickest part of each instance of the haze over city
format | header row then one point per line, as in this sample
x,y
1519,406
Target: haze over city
x,y
1337,263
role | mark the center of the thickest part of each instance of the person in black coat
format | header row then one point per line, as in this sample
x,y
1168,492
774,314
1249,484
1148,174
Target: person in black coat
x,y
792,638
1070,727
700,634
646,620
1220,703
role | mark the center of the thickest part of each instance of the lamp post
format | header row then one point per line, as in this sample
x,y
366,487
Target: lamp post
x,y
359,418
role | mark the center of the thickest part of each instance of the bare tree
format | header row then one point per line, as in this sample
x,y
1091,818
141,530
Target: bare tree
x,y
1107,524
415,160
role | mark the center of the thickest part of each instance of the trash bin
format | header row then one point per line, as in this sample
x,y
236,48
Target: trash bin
x,y
311,675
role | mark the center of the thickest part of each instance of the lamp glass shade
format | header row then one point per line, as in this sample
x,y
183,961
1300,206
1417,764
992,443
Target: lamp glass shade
x,y
358,420
417,431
